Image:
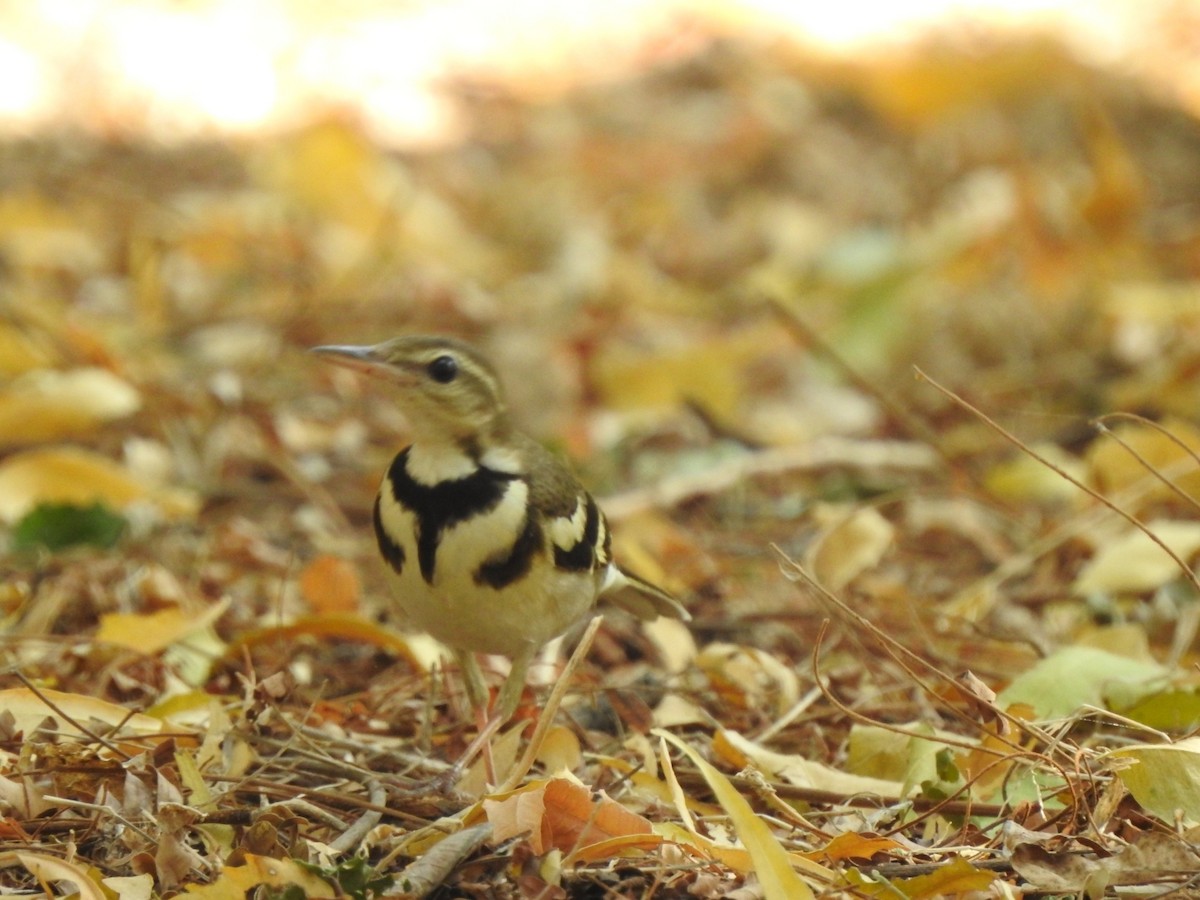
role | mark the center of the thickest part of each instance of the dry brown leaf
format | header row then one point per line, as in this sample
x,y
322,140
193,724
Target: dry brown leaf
x,y
1153,857
749,677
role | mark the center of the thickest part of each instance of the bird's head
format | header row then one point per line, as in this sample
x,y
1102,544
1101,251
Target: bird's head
x,y
447,390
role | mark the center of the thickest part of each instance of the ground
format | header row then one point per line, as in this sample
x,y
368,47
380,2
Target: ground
x,y
886,369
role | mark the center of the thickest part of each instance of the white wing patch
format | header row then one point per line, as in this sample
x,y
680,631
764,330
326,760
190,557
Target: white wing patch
x,y
567,531
503,459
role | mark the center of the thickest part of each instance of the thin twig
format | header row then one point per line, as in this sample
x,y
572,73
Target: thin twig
x,y
546,719
356,833
1062,473
1100,425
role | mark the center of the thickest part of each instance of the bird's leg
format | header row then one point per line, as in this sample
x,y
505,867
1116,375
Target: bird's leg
x,y
477,694
506,705
514,684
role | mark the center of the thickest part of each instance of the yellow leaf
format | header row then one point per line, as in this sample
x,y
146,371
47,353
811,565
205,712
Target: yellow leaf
x,y
235,881
46,405
1136,563
19,352
1114,468
51,868
73,475
771,862
795,769
151,632
952,880
848,545
30,709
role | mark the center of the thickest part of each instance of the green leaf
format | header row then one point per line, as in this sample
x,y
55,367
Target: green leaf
x,y
1072,677
56,526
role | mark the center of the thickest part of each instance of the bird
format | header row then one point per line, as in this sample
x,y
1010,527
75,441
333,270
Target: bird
x,y
492,544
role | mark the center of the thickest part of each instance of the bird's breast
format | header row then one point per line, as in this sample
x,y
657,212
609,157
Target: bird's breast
x,y
473,564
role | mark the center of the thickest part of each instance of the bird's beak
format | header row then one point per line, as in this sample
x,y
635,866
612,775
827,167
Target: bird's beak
x,y
361,359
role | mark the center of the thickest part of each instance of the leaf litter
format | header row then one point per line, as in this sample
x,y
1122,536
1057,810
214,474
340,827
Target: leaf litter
x,y
929,657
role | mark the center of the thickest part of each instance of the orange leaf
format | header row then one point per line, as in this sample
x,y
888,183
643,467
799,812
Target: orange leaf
x,y
342,626
330,585
561,814
849,845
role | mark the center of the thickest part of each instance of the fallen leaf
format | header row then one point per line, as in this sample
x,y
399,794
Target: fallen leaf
x,y
1165,778
235,881
48,405
1136,563
73,475
1153,857
330,585
152,632
797,770
848,545
51,868
748,677
131,887
561,814
849,845
772,864
1072,677
29,710
955,879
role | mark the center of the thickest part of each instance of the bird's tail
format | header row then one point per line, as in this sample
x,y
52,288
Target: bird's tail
x,y
640,597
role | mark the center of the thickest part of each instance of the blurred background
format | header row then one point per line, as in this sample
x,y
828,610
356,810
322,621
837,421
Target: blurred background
x,y
685,230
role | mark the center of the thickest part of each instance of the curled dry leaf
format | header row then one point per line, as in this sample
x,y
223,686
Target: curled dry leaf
x,y
749,677
1155,857
561,814
849,545
51,868
74,475
47,405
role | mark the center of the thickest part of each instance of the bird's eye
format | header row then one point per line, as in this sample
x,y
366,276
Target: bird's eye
x,y
444,369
